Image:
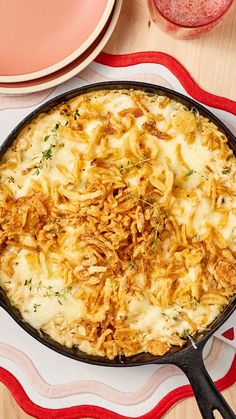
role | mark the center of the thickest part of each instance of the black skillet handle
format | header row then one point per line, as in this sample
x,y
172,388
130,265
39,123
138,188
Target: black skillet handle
x,y
207,395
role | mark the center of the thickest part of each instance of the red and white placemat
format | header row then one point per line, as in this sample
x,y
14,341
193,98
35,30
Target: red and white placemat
x,y
48,385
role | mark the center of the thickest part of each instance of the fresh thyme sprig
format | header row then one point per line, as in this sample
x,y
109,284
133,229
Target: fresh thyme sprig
x,y
49,291
46,155
53,132
126,168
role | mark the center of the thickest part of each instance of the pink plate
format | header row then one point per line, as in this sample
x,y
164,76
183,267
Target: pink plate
x,y
42,36
71,69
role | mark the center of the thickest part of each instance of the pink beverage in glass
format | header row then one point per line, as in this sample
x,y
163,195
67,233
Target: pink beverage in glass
x,y
187,19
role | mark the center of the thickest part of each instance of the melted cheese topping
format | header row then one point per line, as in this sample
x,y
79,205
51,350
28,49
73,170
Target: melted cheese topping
x,y
54,156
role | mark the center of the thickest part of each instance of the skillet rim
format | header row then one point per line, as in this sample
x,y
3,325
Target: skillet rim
x,y
143,358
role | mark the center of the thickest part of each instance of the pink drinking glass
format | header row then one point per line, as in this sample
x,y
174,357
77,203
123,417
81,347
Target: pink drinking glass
x,y
187,19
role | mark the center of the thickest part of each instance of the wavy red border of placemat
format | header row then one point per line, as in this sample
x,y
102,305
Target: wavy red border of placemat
x,y
125,60
96,412
174,396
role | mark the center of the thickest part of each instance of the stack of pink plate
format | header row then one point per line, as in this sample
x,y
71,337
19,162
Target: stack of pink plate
x,y
46,42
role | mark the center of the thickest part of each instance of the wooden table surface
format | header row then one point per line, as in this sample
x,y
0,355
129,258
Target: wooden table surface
x,y
211,60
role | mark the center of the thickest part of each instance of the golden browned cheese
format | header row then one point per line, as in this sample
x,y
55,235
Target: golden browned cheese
x,y
118,223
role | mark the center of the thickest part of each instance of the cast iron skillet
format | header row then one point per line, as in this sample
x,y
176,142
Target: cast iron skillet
x,y
188,358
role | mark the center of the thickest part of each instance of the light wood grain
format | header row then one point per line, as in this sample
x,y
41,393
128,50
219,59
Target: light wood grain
x,y
211,60
9,409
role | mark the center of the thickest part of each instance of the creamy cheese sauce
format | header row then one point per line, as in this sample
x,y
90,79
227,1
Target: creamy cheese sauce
x,y
42,294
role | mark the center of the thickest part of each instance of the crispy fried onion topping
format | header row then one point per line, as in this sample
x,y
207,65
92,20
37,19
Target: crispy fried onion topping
x,y
126,235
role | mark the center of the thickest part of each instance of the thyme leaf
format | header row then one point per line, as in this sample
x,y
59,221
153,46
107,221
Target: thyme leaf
x,y
28,282
132,265
36,172
196,237
47,154
226,171
56,127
